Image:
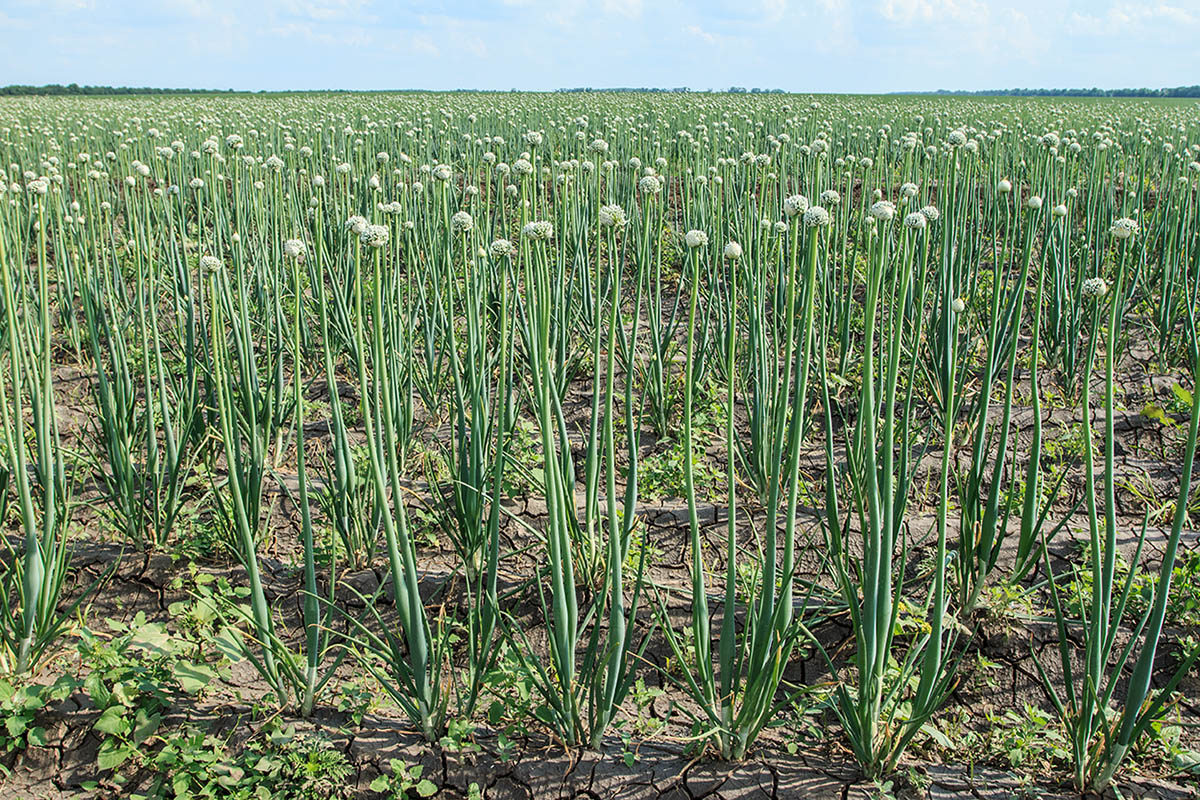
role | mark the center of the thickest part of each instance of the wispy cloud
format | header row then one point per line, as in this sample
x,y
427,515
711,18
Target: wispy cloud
x,y
819,45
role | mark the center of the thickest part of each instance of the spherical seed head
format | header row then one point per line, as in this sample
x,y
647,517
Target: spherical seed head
x,y
695,238
957,138
1124,228
815,217
908,191
650,184
522,167
374,236
915,221
501,248
210,263
295,249
598,146
830,197
1094,287
1033,203
794,205
461,222
780,228
356,224
931,213
442,172
613,216
733,251
538,230
1004,186
1059,211
882,210
959,305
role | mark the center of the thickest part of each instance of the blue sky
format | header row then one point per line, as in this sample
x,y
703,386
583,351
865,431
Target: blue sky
x,y
812,46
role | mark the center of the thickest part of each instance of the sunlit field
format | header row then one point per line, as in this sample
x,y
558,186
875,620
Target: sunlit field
x,y
527,445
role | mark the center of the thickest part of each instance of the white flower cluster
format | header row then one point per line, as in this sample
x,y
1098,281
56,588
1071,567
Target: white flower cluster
x,y
539,230
815,217
613,216
374,235
295,249
1124,228
1094,287
794,205
882,210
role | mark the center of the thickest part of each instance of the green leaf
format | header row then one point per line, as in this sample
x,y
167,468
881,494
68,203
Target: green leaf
x,y
380,784
931,730
36,737
193,677
146,725
112,721
16,724
113,754
1153,412
426,788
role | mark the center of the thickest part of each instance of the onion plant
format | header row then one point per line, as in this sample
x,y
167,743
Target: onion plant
x,y
1102,726
890,698
589,670
32,586
408,664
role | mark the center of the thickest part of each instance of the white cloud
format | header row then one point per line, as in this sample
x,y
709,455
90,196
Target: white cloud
x,y
324,10
697,31
626,8
423,43
774,10
905,12
1122,17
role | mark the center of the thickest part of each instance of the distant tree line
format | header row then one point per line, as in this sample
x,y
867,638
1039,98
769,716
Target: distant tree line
x,y
646,89
76,89
1177,91
673,90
